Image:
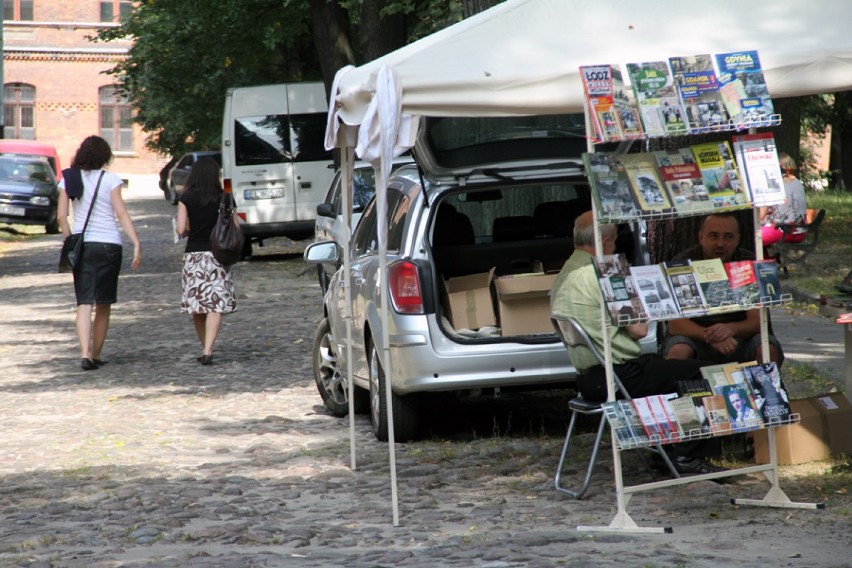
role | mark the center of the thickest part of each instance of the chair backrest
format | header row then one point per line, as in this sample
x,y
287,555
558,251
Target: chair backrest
x,y
572,334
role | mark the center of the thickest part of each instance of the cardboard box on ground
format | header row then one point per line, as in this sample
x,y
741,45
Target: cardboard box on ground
x,y
825,429
522,299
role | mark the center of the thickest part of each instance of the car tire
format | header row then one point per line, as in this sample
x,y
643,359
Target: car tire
x,y
405,408
331,383
52,228
173,196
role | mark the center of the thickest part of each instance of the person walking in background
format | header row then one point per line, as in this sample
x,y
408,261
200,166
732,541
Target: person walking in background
x,y
207,285
96,275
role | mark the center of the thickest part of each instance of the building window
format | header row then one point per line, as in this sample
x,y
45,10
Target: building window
x,y
19,111
116,120
115,10
18,9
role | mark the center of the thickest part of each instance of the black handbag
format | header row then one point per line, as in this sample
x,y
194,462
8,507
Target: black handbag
x,y
226,240
72,246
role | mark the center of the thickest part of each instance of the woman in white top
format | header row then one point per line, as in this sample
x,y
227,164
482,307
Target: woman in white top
x,y
96,275
791,212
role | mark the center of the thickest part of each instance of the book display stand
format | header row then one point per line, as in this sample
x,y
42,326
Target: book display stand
x,y
775,497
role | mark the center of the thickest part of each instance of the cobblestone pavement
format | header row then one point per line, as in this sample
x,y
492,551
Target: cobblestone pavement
x,y
156,461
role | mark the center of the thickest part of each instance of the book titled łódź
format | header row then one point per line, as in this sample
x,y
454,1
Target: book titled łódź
x,y
743,281
685,287
610,188
613,116
719,173
769,392
768,280
715,286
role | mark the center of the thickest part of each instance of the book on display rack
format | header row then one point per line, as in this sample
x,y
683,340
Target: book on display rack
x,y
657,99
757,159
719,173
744,89
698,88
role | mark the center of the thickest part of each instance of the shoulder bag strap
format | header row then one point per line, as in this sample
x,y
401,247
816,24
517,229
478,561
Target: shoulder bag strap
x,y
92,205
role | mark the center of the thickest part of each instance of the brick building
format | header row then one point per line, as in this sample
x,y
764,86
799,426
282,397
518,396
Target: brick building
x,y
55,89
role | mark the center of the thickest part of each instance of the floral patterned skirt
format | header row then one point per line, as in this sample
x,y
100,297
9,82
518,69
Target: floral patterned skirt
x,y
207,285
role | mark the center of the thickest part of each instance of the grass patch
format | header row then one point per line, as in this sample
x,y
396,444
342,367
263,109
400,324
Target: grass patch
x,y
829,263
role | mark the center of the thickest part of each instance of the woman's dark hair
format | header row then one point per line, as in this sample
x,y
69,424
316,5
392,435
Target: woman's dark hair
x,y
204,180
93,154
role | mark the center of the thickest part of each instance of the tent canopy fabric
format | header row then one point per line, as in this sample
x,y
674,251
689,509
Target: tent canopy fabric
x,y
522,56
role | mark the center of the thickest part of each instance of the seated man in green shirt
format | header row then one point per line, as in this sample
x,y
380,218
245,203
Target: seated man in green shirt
x,y
576,293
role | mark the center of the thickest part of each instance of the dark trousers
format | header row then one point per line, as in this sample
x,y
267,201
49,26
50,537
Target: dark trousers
x,y
650,375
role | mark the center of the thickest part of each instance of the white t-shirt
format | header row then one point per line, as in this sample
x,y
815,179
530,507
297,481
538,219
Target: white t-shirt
x,y
103,226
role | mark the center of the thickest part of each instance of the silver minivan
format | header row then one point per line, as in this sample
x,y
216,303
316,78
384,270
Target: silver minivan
x,y
496,193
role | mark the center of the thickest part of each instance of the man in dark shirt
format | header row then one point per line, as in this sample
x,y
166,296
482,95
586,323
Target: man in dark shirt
x,y
726,337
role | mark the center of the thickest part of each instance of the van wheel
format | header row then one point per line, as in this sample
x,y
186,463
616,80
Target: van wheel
x,y
172,197
405,408
247,249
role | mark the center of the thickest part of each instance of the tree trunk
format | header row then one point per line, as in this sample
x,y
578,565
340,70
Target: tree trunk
x,y
788,135
841,142
380,34
471,7
332,38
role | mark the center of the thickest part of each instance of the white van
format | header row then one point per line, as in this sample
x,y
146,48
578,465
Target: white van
x,y
274,159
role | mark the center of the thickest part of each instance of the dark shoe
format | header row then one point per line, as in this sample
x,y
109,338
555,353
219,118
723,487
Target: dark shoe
x,y
206,359
99,362
87,364
695,466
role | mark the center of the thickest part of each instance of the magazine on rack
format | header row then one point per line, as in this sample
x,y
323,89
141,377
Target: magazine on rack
x,y
768,280
657,99
698,88
720,175
682,178
744,89
715,286
618,288
758,163
771,397
743,281
612,112
654,292
610,189
645,182
684,285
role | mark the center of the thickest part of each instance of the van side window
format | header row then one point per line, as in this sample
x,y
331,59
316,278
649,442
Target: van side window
x,y
308,135
261,140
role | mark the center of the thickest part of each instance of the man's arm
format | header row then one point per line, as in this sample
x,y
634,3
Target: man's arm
x,y
686,327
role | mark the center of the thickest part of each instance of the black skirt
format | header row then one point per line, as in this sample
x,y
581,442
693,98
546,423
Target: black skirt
x,y
96,277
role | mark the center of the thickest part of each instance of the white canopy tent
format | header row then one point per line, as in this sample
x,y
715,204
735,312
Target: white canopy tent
x,y
522,58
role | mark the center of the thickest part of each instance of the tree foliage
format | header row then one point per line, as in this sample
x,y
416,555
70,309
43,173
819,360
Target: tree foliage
x,y
187,53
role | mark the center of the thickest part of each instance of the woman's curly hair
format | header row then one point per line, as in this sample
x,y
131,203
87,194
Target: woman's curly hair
x,y
93,154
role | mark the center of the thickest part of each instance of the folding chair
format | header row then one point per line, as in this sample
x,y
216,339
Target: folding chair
x,y
573,335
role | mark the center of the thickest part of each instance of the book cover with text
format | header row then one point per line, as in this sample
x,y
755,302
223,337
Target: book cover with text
x,y
698,88
719,172
757,160
744,89
685,287
771,396
657,99
645,182
743,281
610,188
768,280
715,286
654,292
682,178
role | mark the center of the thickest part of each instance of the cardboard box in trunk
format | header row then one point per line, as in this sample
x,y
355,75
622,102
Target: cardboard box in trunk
x,y
825,429
524,303
469,301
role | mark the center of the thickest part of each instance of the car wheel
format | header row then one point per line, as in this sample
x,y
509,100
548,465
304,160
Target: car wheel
x,y
405,408
52,228
173,196
331,383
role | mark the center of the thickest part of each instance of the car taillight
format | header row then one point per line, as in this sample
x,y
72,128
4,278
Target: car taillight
x,y
404,287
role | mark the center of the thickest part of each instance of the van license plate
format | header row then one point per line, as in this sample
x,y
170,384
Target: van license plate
x,y
9,210
263,193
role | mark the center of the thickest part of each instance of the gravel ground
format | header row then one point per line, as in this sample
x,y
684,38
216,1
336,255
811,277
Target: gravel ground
x,y
156,461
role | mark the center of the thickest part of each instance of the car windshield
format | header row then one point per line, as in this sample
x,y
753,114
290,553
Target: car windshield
x,y
24,170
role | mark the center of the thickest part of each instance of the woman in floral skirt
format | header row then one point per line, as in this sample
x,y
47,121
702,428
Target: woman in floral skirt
x,y
207,285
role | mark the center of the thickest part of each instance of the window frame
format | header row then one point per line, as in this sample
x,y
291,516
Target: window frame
x,y
119,132
13,106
